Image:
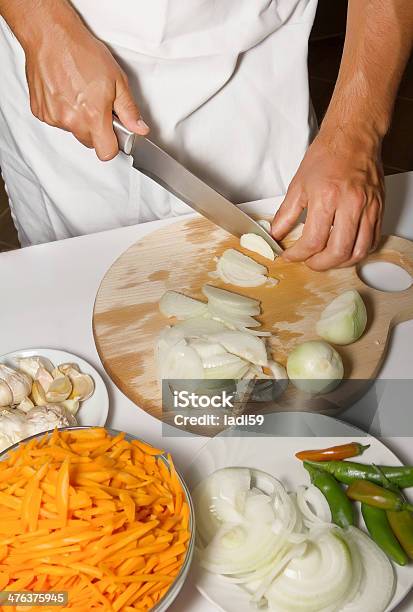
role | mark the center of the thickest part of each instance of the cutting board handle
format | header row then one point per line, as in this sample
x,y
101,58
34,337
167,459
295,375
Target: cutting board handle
x,y
398,251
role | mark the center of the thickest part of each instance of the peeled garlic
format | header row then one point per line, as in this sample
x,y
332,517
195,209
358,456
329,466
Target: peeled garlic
x,y
44,377
6,395
19,383
83,385
26,405
257,244
38,395
71,405
64,368
30,365
59,389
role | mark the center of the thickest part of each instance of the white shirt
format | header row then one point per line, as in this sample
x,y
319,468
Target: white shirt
x,y
223,85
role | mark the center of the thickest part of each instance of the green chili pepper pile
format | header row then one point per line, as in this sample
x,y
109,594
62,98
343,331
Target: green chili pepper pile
x,y
387,515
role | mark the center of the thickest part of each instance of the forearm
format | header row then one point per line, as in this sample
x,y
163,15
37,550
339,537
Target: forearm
x,y
31,20
377,47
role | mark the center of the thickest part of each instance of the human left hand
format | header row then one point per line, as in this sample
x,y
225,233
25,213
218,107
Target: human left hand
x,y
340,183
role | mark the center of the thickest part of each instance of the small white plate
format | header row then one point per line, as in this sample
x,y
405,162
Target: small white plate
x,y
276,455
93,411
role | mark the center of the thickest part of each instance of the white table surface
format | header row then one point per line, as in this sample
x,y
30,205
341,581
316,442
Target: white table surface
x,y
46,300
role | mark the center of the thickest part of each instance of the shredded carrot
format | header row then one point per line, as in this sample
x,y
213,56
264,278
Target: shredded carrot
x,y
95,515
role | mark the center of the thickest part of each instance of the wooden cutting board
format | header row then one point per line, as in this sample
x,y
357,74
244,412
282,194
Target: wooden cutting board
x,y
126,318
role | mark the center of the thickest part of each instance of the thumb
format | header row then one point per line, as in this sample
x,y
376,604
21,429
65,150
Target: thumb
x,y
287,215
127,110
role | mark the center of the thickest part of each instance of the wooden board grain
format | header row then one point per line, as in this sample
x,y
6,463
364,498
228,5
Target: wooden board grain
x,y
126,318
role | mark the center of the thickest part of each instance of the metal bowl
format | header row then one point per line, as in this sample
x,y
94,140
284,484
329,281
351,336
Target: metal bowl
x,y
171,594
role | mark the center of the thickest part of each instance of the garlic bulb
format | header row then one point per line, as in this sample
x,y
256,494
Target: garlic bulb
x,y
45,418
19,383
12,427
6,395
30,365
59,389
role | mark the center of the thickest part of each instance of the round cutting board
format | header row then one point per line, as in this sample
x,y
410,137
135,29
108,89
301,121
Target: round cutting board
x,y
126,318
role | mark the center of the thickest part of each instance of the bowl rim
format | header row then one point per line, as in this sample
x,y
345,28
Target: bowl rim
x,y
191,544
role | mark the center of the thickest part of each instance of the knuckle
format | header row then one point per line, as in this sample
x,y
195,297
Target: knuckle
x,y
357,198
329,191
341,253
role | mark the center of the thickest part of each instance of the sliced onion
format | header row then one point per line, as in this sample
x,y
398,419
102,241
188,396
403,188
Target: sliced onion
x,y
318,579
238,269
257,244
181,362
277,370
265,224
242,264
174,304
231,370
229,299
313,505
244,345
377,585
206,349
253,547
220,314
230,484
255,332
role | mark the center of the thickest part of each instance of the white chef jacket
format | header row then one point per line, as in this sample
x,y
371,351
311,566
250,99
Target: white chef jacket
x,y
223,85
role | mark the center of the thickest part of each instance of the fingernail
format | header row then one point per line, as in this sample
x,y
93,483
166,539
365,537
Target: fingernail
x,y
142,125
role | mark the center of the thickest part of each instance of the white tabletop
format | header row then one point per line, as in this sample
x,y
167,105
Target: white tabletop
x,y
46,300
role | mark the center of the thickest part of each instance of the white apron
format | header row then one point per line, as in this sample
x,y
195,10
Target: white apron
x,y
223,85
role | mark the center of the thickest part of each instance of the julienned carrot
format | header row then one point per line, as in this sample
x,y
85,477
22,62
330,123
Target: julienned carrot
x,y
94,515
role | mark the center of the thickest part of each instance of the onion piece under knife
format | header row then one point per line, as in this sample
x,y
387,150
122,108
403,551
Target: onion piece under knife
x,y
256,244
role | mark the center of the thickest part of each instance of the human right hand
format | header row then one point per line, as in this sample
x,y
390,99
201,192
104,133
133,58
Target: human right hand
x,y
75,83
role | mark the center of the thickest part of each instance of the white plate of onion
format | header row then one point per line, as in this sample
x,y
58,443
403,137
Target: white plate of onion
x,y
322,576
43,388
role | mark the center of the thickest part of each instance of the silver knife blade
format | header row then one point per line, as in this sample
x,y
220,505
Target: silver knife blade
x,y
154,162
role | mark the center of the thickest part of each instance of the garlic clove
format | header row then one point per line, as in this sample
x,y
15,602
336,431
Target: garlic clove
x,y
72,405
44,377
6,395
38,395
30,365
83,386
26,405
59,389
19,383
65,368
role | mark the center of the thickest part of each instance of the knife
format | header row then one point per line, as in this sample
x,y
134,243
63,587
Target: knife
x,y
154,162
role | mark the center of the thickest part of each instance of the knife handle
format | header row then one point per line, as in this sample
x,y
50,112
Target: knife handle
x,y
124,136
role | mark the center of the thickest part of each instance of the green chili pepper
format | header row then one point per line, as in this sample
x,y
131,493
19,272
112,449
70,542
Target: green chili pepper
x,y
400,522
342,511
347,471
381,532
374,495
402,525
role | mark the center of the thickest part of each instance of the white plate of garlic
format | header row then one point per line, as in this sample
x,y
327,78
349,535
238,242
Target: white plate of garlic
x,y
41,389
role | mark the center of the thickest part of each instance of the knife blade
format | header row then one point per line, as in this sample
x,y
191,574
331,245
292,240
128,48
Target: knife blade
x,y
158,165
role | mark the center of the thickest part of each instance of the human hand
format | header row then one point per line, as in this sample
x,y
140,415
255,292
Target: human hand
x,y
75,83
340,183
